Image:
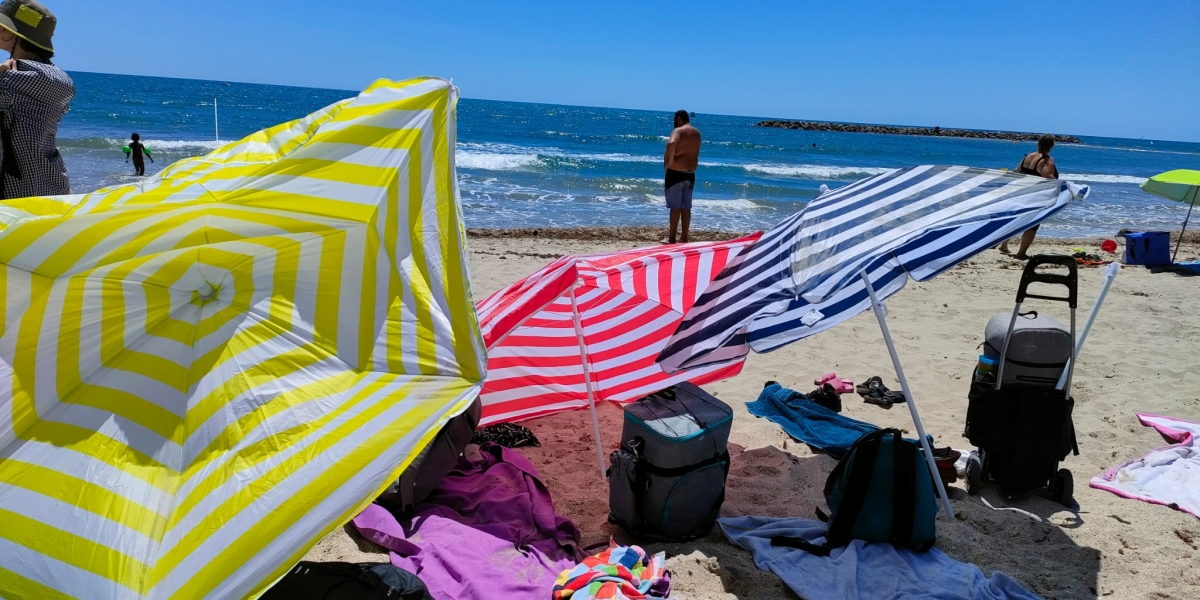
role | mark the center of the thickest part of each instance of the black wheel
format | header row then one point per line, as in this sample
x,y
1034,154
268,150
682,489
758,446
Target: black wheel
x,y
1062,488
974,474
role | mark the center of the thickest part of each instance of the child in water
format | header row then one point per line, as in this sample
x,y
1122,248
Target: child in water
x,y
136,149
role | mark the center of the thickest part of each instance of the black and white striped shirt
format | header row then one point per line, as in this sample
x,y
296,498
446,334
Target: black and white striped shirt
x,y
33,99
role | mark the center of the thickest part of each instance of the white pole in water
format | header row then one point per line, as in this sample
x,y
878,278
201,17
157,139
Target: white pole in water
x,y
216,122
1109,275
877,306
587,380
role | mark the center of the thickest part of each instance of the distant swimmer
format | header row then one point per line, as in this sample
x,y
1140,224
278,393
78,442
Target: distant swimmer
x,y
679,161
134,150
1035,163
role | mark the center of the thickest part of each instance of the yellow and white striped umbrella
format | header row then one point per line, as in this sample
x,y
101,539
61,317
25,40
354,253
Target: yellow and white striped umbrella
x,y
203,374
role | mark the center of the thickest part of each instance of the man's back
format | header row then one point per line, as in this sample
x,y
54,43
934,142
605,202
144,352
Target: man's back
x,y
685,148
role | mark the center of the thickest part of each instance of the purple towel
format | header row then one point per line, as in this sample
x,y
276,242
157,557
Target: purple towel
x,y
488,531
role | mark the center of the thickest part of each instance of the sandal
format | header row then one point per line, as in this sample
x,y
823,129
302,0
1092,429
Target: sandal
x,y
873,391
828,397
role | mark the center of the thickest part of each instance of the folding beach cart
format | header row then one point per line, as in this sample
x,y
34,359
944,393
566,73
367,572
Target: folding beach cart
x,y
1019,412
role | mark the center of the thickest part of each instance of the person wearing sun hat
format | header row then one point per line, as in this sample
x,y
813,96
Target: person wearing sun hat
x,y
34,96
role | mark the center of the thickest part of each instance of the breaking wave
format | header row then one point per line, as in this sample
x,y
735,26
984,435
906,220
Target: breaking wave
x,y
816,171
1101,178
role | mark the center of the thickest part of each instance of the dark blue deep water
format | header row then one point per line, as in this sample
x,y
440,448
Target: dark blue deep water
x,y
541,165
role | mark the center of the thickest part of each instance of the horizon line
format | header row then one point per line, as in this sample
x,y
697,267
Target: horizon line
x,y
764,117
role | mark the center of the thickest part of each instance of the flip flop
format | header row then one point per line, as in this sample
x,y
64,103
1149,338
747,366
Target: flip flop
x,y
880,402
873,391
866,388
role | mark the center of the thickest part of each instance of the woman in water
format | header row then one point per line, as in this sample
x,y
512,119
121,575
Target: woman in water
x,y
1035,163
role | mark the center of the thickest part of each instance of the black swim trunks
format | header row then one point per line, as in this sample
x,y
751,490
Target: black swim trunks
x,y
674,177
679,186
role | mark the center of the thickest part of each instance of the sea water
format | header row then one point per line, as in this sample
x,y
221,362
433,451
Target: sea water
x,y
539,165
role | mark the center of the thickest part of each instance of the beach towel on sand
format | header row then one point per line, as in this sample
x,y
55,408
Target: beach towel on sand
x,y
619,573
863,570
808,421
487,531
1169,475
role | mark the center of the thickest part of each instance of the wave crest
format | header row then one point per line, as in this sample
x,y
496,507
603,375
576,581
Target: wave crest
x,y
495,161
1102,178
98,143
732,204
816,171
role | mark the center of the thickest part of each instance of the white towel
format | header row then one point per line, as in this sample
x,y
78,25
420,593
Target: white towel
x,y
1169,475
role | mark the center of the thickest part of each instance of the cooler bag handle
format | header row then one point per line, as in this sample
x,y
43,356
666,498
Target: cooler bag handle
x,y
1031,275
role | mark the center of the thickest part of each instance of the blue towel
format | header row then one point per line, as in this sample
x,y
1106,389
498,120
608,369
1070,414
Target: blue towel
x,y
1190,267
808,421
862,570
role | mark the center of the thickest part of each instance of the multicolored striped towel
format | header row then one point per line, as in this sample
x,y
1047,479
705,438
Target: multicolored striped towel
x,y
619,573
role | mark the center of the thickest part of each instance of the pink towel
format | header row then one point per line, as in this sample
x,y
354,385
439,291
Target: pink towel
x,y
1169,475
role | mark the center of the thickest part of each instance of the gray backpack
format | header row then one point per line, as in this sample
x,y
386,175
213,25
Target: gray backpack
x,y
667,481
433,463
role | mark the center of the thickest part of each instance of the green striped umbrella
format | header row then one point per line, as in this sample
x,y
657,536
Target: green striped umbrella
x,y
1180,185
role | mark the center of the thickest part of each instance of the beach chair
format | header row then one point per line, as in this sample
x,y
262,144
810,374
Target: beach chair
x,y
1019,417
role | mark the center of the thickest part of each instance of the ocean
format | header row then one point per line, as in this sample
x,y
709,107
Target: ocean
x,y
539,165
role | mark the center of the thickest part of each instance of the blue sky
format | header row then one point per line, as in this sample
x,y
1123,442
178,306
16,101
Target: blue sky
x,y
1094,67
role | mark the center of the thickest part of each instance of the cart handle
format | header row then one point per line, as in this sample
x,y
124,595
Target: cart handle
x,y
1070,280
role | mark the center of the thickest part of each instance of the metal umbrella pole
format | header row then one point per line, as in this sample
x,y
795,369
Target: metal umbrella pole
x,y
1191,204
1110,274
878,307
587,379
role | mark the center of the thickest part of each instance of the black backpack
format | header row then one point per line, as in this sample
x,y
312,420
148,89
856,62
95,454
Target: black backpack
x,y
347,581
881,491
432,465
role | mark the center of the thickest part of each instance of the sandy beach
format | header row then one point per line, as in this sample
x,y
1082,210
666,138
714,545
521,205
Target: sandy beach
x,y
1140,357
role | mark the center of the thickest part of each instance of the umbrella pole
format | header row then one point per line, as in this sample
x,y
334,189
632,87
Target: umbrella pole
x,y
1179,242
587,380
877,306
1109,276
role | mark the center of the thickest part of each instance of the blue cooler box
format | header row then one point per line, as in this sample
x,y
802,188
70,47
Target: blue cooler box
x,y
1150,248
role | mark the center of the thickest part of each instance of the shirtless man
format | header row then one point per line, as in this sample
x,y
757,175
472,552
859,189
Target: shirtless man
x,y
680,160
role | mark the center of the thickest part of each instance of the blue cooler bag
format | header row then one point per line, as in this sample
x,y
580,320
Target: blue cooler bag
x,y
1150,248
881,491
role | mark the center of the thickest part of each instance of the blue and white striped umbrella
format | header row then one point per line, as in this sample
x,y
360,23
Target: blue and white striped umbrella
x,y
803,276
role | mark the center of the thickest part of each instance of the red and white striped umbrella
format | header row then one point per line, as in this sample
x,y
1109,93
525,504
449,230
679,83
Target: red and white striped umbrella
x,y
594,322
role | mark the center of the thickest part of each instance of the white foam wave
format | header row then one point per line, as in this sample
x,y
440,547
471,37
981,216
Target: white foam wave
x,y
495,161
732,204
613,157
816,171
156,144
1101,178
184,144
510,157
643,136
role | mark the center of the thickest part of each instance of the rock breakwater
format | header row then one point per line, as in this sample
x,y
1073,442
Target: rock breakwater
x,y
930,131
